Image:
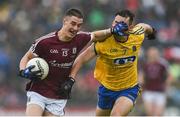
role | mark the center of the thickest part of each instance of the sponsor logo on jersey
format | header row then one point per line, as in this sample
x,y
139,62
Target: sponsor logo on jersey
x,y
134,48
54,63
120,61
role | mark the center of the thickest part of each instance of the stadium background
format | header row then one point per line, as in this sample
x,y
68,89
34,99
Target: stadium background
x,y
22,21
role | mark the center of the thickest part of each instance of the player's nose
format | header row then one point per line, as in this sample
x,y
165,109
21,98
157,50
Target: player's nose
x,y
75,28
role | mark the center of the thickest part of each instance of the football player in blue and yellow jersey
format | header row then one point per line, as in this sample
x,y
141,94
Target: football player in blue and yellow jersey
x,y
116,65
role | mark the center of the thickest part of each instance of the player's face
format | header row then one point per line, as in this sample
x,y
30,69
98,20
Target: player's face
x,y
153,53
72,25
119,18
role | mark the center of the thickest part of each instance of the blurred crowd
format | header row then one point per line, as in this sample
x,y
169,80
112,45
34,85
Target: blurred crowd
x,y
22,21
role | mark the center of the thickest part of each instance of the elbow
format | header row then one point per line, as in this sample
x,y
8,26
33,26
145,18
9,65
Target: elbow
x,y
152,35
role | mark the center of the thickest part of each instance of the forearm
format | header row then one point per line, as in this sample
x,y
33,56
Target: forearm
x,y
76,67
22,64
79,62
149,29
83,58
24,60
151,34
101,35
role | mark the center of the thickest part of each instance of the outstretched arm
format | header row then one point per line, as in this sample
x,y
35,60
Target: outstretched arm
x,y
84,57
101,35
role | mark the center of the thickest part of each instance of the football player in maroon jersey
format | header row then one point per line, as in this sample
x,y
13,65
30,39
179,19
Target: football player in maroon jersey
x,y
59,49
155,78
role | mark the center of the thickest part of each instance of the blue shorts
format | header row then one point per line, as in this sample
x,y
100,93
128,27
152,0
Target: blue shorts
x,y
107,97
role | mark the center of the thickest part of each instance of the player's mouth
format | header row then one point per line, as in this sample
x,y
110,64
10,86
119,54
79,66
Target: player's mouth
x,y
73,33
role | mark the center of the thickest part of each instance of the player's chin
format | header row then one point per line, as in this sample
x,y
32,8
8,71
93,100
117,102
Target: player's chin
x,y
121,39
71,36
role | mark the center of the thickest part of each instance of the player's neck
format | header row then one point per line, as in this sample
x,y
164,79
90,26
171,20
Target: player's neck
x,y
62,36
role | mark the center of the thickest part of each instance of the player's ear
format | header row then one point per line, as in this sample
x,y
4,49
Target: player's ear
x,y
113,23
127,20
130,23
131,26
65,20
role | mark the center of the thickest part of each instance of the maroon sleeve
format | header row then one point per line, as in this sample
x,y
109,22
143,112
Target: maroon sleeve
x,y
37,47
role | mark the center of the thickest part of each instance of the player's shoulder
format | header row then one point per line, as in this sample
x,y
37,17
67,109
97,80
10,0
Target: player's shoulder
x,y
82,33
164,62
46,37
83,36
138,29
42,40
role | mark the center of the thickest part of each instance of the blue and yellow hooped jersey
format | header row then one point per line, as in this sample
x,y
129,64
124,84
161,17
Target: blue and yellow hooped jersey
x,y
116,64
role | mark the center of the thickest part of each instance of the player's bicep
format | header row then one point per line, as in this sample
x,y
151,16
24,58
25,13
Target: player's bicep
x,y
147,28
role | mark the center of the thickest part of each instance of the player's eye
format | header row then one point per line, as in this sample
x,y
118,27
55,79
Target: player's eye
x,y
79,25
73,23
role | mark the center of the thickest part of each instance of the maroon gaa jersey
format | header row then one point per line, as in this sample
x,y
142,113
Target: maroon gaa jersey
x,y
155,75
60,56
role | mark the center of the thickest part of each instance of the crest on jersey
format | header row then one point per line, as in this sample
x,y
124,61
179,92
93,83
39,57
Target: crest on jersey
x,y
74,50
134,48
53,51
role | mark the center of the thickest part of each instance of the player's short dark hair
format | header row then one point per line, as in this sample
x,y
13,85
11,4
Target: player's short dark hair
x,y
74,12
126,13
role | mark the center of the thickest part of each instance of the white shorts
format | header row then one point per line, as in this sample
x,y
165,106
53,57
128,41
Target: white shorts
x,y
154,97
54,106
